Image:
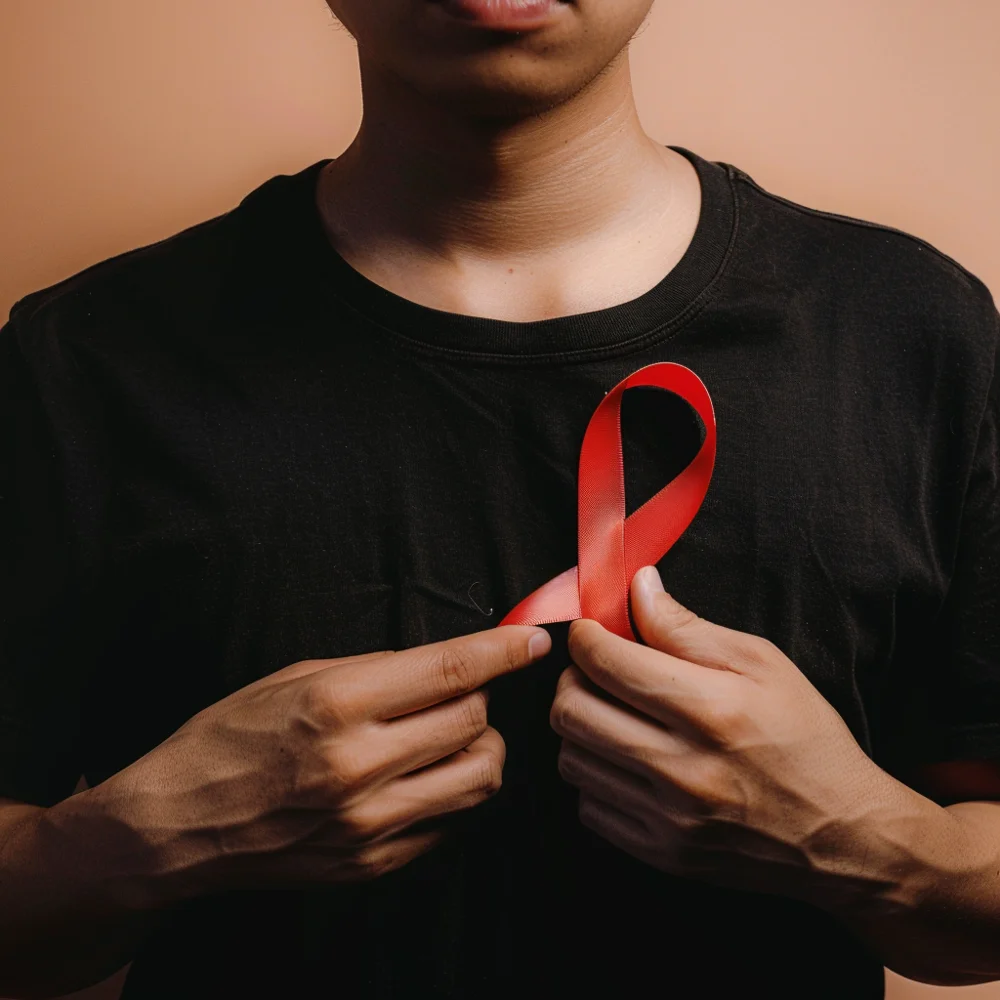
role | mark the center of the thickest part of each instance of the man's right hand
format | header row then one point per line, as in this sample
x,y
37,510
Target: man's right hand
x,y
317,773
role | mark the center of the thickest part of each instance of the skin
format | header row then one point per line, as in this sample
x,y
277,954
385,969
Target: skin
x,y
513,157
303,777
707,753
510,177
505,176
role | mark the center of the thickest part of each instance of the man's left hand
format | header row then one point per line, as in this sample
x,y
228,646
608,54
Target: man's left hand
x,y
707,753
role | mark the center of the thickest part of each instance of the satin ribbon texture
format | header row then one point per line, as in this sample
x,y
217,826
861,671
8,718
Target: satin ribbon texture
x,y
611,546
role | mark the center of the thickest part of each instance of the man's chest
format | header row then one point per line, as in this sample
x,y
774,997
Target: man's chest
x,y
395,507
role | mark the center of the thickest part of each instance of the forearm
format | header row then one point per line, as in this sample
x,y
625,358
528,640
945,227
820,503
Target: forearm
x,y
935,917
78,894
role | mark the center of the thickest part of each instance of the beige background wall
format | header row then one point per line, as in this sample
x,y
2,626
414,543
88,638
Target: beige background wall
x,y
122,122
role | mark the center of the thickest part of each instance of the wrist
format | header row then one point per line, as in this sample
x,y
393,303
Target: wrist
x,y
899,844
106,835
927,906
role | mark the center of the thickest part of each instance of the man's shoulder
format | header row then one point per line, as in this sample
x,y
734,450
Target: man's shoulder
x,y
872,239
187,272
121,297
889,272
144,271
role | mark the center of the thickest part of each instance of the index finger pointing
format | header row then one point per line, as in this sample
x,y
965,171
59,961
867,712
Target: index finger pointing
x,y
423,676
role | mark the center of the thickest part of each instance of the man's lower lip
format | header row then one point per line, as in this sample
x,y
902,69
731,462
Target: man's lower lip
x,y
512,15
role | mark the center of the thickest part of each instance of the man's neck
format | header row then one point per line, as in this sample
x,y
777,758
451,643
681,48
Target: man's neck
x,y
434,206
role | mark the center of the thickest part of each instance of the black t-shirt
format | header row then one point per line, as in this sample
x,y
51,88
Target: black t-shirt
x,y
230,451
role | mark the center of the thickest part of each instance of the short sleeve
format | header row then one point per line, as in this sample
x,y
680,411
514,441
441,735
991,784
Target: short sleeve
x,y
959,716
39,694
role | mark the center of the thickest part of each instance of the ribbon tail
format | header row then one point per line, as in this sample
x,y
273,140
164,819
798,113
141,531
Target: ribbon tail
x,y
555,601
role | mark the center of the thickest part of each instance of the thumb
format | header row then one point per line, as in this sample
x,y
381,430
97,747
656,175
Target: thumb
x,y
665,624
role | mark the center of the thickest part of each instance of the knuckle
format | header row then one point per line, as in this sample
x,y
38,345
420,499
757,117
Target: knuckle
x,y
760,652
471,713
710,787
565,711
581,640
493,743
487,776
686,824
321,707
513,655
456,670
731,652
680,616
568,768
489,780
648,761
674,615
355,829
370,863
567,681
725,721
346,770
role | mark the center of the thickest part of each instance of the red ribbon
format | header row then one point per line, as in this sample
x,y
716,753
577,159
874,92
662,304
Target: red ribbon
x,y
611,547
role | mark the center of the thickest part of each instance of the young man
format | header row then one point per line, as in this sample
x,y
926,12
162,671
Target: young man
x,y
244,465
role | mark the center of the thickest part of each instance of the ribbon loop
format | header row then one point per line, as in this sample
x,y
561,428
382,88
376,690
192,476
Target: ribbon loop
x,y
611,547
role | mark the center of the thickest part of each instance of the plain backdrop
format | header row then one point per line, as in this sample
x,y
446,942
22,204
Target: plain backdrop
x,y
122,122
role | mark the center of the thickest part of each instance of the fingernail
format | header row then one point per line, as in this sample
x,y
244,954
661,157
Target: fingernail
x,y
539,644
650,579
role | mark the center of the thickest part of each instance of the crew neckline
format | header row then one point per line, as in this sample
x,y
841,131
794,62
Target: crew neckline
x,y
625,326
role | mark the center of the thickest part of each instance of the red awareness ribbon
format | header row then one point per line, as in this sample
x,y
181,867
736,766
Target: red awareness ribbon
x,y
612,547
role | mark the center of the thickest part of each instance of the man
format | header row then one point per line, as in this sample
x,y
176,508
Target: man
x,y
269,484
